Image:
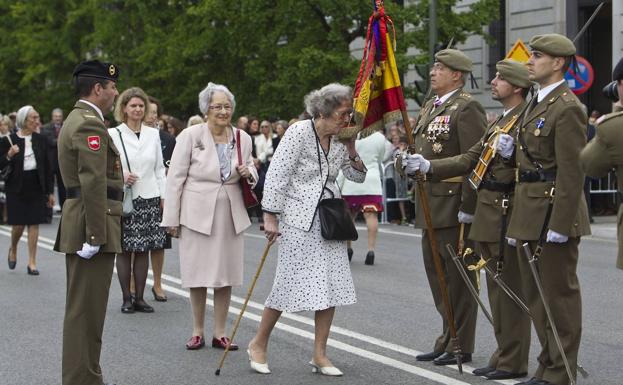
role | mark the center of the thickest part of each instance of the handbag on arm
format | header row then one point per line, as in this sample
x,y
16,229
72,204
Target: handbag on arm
x,y
128,205
6,170
336,223
248,196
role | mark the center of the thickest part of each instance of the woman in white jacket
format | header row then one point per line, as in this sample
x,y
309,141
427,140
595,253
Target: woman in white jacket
x,y
143,169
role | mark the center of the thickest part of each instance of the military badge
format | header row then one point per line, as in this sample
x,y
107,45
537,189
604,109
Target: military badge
x,y
112,70
539,124
437,147
93,142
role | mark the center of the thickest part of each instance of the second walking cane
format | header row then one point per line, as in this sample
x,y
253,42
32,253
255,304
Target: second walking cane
x,y
244,305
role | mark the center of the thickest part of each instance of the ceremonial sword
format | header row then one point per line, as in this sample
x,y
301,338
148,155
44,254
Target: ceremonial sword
x,y
457,261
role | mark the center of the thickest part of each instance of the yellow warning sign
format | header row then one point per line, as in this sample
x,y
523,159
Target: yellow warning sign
x,y
519,52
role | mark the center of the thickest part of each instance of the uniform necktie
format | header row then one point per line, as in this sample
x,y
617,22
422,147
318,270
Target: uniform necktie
x,y
437,102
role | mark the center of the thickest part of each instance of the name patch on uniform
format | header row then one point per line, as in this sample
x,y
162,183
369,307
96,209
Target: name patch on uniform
x,y
93,142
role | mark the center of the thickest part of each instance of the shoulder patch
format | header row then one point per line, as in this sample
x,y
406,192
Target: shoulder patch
x,y
93,141
465,95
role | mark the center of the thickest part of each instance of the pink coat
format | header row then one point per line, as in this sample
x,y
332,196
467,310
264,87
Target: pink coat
x,y
194,180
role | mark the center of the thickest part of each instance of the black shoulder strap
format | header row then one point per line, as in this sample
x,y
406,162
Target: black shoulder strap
x,y
124,151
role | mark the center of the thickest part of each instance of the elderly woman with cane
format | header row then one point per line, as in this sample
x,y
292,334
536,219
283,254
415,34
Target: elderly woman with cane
x,y
205,208
312,273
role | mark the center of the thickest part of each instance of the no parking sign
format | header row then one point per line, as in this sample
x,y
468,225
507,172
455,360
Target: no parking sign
x,y
580,81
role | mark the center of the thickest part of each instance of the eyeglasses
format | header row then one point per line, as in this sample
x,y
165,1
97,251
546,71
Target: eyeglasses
x,y
344,114
219,107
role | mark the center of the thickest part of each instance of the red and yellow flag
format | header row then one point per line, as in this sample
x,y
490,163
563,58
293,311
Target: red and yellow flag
x,y
378,98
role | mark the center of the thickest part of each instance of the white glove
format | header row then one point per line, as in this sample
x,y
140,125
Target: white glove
x,y
416,162
88,251
511,241
505,146
554,237
465,218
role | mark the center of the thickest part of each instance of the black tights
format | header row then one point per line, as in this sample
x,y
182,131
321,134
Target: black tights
x,y
124,269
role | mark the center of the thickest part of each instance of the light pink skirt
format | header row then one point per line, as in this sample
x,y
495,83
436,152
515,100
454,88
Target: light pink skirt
x,y
212,260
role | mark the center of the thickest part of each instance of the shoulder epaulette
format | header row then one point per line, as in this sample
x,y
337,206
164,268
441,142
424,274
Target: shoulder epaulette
x,y
607,117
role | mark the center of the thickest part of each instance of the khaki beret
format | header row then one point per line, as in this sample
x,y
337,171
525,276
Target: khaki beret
x,y
553,44
454,59
514,72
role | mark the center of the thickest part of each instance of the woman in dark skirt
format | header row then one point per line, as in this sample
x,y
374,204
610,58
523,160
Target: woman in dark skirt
x,y
29,185
143,169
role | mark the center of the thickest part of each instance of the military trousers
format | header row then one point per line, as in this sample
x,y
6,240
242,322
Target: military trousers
x,y
463,305
511,325
557,269
88,284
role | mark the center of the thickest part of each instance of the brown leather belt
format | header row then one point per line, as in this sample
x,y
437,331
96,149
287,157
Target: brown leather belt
x,y
111,193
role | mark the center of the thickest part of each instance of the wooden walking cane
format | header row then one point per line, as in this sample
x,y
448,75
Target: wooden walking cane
x,y
419,178
244,306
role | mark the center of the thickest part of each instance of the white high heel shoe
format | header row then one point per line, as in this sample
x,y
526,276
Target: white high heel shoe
x,y
260,368
326,370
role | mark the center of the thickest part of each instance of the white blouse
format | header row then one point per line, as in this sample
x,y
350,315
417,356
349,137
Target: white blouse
x,y
30,163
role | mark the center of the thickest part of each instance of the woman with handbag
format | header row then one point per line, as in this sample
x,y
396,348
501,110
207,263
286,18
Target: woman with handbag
x,y
205,209
144,176
312,270
27,170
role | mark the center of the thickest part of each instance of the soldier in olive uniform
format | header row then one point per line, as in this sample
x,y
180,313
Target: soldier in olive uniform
x,y
449,125
495,187
549,180
605,152
90,229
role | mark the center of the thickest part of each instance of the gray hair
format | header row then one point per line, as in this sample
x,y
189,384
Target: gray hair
x,y
195,119
22,115
324,101
57,111
205,97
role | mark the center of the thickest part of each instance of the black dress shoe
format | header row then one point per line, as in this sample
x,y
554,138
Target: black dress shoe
x,y
532,381
158,298
350,254
450,359
143,307
503,375
369,258
11,263
127,307
428,356
32,271
483,371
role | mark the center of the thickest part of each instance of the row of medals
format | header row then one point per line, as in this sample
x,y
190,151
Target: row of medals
x,y
438,129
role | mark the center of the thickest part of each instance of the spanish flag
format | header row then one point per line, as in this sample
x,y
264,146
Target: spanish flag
x,y
378,98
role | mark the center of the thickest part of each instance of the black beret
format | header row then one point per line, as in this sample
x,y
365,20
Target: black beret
x,y
617,72
97,69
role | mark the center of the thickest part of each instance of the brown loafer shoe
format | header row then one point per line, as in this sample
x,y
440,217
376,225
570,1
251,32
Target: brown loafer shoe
x,y
221,343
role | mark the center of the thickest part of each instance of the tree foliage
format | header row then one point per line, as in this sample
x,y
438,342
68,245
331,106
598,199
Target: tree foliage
x,y
270,53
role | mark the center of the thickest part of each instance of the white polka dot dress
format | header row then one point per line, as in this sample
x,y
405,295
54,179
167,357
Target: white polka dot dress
x,y
312,273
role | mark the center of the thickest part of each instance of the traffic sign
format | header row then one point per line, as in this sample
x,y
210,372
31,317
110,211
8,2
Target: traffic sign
x,y
581,80
519,52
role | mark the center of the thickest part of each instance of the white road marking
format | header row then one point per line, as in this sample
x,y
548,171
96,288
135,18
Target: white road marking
x,y
47,243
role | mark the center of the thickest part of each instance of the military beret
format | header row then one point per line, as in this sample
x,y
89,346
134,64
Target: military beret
x,y
97,69
553,44
617,72
454,59
514,72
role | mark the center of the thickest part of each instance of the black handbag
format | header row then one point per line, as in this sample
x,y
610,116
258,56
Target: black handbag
x,y
336,223
5,172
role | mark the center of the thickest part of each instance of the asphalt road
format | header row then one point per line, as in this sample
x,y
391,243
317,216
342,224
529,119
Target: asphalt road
x,y
373,342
